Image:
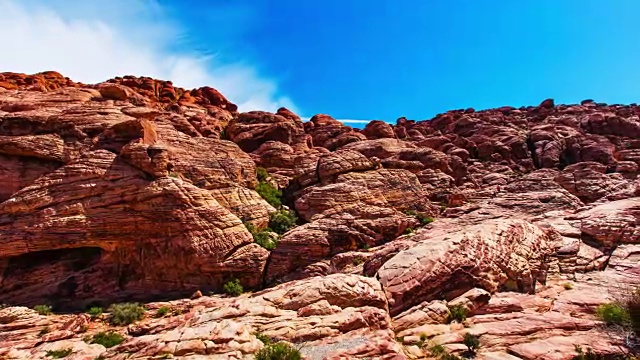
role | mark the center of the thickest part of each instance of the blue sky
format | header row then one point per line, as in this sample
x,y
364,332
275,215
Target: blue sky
x,y
363,59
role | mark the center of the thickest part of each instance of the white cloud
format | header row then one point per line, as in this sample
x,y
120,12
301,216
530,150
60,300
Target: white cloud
x,y
92,41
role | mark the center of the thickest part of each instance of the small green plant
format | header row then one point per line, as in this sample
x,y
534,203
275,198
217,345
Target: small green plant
x,y
472,342
282,221
408,231
45,330
175,175
400,339
457,313
43,309
272,195
59,354
278,351
164,310
233,288
424,220
264,338
95,311
262,237
423,337
568,286
125,313
262,174
100,357
437,350
357,261
107,339
613,314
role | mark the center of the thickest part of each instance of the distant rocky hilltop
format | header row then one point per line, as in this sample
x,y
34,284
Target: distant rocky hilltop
x,y
512,227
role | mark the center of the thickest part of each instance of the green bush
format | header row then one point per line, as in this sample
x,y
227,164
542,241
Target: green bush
x,y
107,339
59,354
424,220
613,314
162,311
125,313
408,231
262,174
262,237
95,311
282,221
457,313
264,338
272,195
437,350
278,351
472,342
233,288
43,309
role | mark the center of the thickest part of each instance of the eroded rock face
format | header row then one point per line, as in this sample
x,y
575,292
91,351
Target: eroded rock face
x,y
492,255
100,191
99,216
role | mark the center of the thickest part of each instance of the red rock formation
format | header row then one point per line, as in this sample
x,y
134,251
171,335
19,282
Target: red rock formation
x,y
135,189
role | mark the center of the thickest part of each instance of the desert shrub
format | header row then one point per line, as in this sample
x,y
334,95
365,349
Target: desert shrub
x,y
408,231
613,314
125,313
233,288
357,261
424,220
43,309
472,342
264,338
568,286
95,311
262,237
278,351
162,311
437,350
457,313
262,174
272,195
282,221
107,339
59,354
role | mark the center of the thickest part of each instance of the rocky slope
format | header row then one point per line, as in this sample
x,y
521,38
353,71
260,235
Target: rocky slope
x,y
136,190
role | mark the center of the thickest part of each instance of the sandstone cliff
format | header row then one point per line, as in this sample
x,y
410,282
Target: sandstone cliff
x,y
136,190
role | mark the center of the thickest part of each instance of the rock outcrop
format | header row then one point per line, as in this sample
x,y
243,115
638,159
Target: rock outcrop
x,y
136,190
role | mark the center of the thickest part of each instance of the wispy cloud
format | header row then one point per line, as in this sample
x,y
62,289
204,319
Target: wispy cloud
x,y
91,41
